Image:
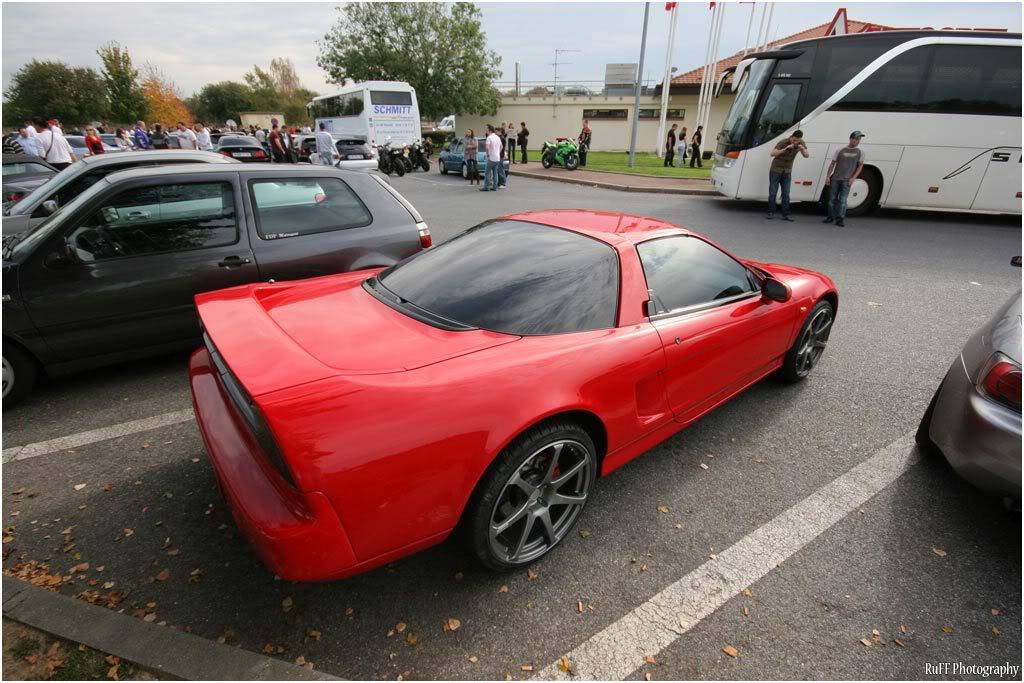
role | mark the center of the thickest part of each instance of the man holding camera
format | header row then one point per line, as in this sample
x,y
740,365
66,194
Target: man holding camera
x,y
780,174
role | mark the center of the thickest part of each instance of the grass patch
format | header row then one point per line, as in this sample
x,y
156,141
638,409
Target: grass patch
x,y
24,647
646,164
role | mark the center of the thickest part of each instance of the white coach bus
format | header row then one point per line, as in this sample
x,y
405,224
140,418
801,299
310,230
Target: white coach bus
x,y
372,110
941,111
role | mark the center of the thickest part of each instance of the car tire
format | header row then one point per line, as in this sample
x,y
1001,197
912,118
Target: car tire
x,y
512,520
925,445
810,343
19,375
441,167
872,194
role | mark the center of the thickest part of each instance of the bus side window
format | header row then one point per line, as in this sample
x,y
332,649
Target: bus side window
x,y
778,113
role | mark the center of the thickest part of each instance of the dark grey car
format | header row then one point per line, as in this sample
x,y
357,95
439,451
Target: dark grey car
x,y
22,174
974,419
112,275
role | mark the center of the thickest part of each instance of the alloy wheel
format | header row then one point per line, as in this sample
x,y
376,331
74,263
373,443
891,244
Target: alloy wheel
x,y
8,377
813,341
540,501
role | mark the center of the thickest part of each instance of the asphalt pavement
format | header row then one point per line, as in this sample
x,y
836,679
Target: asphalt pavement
x,y
922,558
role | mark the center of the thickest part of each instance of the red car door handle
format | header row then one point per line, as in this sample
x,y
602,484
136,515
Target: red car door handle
x,y
679,340
233,262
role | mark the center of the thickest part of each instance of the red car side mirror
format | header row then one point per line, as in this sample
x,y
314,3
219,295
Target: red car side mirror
x,y
775,290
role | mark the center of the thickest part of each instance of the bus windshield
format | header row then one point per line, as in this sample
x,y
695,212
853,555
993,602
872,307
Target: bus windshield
x,y
737,121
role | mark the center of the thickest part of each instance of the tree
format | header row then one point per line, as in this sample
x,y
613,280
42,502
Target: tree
x,y
279,89
442,52
284,77
221,101
52,89
127,103
163,99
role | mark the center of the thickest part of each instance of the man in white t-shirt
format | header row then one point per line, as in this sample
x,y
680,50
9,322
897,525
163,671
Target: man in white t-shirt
x,y
187,137
55,148
492,145
203,137
325,148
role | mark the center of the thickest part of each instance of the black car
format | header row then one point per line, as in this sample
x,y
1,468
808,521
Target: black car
x,y
111,275
349,148
242,147
24,173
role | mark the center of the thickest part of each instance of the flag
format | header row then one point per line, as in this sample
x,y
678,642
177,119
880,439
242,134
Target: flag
x,y
669,6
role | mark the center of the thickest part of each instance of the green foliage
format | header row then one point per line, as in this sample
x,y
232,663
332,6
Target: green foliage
x,y
45,89
438,48
218,102
279,89
127,103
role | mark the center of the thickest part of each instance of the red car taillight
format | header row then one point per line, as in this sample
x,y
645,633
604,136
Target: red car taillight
x,y
425,239
16,196
226,153
260,154
1002,381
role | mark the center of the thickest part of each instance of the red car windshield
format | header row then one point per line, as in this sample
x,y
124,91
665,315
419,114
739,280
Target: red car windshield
x,y
514,277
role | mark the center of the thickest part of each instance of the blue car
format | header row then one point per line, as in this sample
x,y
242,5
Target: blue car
x,y
453,160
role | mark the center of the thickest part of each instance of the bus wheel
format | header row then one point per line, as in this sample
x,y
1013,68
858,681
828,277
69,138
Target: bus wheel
x,y
864,193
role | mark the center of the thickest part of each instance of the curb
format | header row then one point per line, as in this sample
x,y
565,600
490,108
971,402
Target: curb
x,y
615,186
172,653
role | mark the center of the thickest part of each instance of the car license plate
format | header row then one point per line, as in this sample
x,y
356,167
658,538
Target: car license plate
x,y
355,156
243,154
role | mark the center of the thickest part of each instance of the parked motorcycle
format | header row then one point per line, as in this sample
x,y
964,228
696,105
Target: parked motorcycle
x,y
563,152
418,156
390,159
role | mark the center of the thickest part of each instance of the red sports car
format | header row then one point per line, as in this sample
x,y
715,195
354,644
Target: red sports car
x,y
483,384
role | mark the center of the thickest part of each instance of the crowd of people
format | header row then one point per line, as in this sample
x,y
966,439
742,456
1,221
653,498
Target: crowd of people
x,y
675,143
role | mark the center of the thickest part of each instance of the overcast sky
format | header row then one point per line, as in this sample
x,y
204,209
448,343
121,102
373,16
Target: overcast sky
x,y
199,43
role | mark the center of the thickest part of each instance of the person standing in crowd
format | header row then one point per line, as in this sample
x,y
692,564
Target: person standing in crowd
x,y
93,141
584,142
698,138
122,139
523,137
325,146
670,145
55,148
681,147
27,142
139,136
504,140
492,146
30,128
276,144
186,138
470,149
845,167
780,173
159,138
101,129
54,125
203,137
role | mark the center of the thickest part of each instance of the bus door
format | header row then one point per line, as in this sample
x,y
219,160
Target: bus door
x,y
781,109
1000,187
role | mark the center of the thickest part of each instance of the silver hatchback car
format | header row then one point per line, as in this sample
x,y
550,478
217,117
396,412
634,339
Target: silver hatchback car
x,y
974,419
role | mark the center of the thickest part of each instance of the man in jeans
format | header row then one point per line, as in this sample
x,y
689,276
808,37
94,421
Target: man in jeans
x,y
696,140
846,167
780,174
492,145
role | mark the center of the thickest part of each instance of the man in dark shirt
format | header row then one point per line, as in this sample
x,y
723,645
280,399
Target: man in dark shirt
x,y
584,142
697,139
780,174
522,137
670,145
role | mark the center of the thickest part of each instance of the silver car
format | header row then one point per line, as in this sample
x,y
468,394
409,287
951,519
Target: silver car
x,y
974,419
59,190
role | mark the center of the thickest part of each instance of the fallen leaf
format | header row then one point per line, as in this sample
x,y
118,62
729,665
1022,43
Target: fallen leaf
x,y
730,650
713,556
300,660
649,659
903,628
79,487
400,627
585,533
411,638
899,642
18,492
643,567
452,624
195,459
679,526
286,604
874,303
503,589
563,664
129,532
313,633
703,466
746,611
163,575
531,574
84,566
939,551
268,649
172,551
747,592
579,606
526,667
149,618
349,611
995,612
865,642
996,631
647,676
663,509
108,488
947,629
473,659
108,585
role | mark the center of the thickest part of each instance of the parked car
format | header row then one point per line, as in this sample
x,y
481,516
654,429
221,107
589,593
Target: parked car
x,y
215,137
974,418
111,275
110,140
37,206
244,148
453,159
353,153
78,146
484,383
22,174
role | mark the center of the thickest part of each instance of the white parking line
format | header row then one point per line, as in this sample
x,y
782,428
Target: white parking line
x,y
33,450
618,650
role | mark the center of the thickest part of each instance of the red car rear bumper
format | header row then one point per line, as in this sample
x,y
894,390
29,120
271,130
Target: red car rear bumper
x,y
297,534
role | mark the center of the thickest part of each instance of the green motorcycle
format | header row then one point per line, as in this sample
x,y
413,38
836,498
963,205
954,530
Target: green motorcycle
x,y
563,152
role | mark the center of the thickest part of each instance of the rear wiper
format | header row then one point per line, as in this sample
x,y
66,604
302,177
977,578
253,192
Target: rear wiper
x,y
377,288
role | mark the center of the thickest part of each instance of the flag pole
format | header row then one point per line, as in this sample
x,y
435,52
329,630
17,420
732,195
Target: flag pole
x,y
707,60
709,95
667,79
636,95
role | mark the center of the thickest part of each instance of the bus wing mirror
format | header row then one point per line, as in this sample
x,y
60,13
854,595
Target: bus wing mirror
x,y
740,73
720,87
